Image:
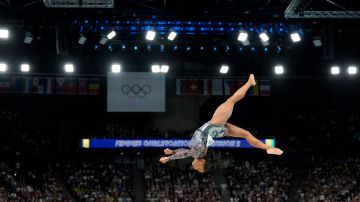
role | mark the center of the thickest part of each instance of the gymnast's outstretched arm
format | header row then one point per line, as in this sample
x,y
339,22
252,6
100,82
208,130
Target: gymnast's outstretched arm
x,y
177,154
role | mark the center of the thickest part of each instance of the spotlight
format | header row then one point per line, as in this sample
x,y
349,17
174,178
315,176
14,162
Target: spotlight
x,y
264,37
175,47
224,69
162,48
227,48
317,41
172,36
335,70
3,67
243,36
295,37
279,69
82,39
155,68
115,68
28,37
25,67
214,49
164,68
111,35
352,70
188,48
69,68
150,35
103,40
148,48
4,33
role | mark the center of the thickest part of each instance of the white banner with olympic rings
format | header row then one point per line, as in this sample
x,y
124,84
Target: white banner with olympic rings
x,y
135,92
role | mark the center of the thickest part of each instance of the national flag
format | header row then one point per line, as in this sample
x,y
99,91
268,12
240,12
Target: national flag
x,y
28,83
4,85
60,86
16,85
188,87
45,85
205,87
83,86
71,86
217,87
254,90
265,88
94,86
232,85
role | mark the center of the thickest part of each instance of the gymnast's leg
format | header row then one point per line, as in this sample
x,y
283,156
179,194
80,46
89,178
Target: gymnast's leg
x,y
224,111
235,131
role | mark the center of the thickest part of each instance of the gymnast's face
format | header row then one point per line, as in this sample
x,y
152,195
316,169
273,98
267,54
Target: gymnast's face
x,y
199,165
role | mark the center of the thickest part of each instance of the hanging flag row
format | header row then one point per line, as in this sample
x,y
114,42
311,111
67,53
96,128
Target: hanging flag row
x,y
49,85
220,87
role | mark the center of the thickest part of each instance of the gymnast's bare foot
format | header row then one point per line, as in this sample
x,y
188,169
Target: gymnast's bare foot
x,y
252,80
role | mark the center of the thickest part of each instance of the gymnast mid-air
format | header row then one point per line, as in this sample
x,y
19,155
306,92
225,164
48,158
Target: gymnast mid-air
x,y
218,127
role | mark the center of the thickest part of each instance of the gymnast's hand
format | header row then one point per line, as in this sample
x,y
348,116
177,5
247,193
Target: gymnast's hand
x,y
274,150
164,159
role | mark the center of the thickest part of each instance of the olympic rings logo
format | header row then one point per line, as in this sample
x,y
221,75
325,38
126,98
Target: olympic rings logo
x,y
136,90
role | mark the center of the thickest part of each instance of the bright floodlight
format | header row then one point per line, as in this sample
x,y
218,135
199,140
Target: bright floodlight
x,y
243,36
164,68
224,69
352,70
172,36
150,35
279,69
3,67
25,67
335,70
111,35
264,37
295,37
116,68
69,68
4,33
155,68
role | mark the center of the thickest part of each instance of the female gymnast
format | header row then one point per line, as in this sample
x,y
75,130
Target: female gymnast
x,y
218,127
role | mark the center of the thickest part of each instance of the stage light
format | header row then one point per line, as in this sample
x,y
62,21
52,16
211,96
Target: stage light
x,y
111,35
28,37
227,48
25,67
295,37
352,70
150,35
175,47
172,36
103,40
4,33
335,70
264,37
162,48
317,41
279,69
3,67
82,39
188,48
69,68
224,69
164,68
243,36
155,68
115,68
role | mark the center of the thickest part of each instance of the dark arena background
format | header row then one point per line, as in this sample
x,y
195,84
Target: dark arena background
x,y
93,91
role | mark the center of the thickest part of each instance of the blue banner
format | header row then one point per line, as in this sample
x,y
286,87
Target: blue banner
x,y
162,143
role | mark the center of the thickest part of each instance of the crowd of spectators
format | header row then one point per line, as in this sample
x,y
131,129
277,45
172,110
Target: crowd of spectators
x,y
173,182
258,181
17,184
98,182
331,180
